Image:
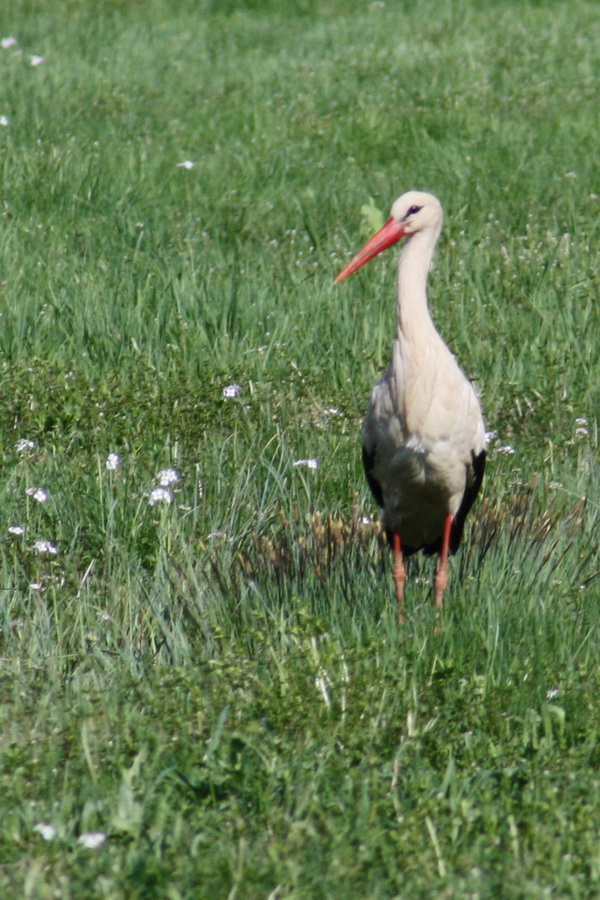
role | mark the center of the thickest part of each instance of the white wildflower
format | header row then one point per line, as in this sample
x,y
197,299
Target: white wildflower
x,y
8,42
45,547
167,477
506,451
186,164
46,830
16,529
4,121
35,586
552,693
490,436
36,60
38,493
24,445
113,462
160,495
232,390
366,520
309,463
91,839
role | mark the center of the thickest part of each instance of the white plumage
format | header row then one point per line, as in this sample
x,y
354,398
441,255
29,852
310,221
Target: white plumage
x,y
424,435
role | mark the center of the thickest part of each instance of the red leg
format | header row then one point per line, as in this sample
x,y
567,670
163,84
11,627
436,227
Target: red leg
x,y
441,578
399,574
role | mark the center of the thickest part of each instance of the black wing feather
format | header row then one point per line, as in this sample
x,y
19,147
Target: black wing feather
x,y
468,500
368,458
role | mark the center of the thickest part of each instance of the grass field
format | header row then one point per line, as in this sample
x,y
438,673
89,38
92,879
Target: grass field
x,y
204,692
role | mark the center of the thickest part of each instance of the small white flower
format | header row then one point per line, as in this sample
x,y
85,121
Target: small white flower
x,y
571,175
8,42
506,451
35,586
309,463
45,547
581,431
186,164
490,436
217,534
38,493
552,693
24,445
167,477
160,495
4,120
232,390
16,529
113,462
91,839
366,520
36,60
47,831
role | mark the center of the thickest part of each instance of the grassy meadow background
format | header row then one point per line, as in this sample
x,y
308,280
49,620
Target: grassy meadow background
x,y
211,697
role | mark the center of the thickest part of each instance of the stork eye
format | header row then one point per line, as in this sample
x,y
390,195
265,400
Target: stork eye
x,y
413,210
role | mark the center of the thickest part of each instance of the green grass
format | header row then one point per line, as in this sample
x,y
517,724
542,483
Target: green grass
x,y
219,684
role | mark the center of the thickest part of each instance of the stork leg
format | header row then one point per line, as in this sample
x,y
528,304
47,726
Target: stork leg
x,y
441,578
399,574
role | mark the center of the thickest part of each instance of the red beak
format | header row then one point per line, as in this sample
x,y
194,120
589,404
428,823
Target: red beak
x,y
391,232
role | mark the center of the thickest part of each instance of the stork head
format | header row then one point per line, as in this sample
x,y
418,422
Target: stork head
x,y
412,212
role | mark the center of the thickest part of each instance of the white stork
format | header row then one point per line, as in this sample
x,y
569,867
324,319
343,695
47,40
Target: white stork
x,y
424,436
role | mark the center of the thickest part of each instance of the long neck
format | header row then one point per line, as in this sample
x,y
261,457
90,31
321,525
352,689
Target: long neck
x,y
412,313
